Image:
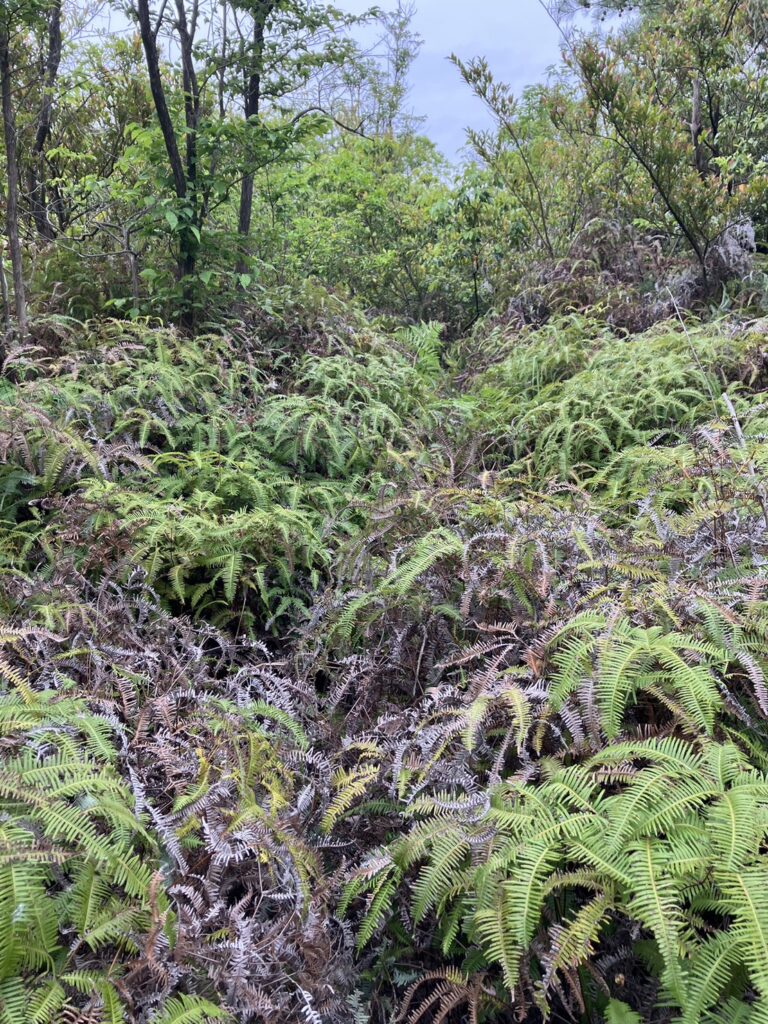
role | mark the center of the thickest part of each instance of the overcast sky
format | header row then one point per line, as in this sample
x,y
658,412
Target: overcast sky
x,y
516,36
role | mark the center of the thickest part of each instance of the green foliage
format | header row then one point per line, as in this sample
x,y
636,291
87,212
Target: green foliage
x,y
607,660
75,862
377,220
566,401
189,1010
182,458
533,719
388,640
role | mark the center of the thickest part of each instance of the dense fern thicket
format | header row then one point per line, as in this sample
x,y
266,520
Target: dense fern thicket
x,y
360,677
383,539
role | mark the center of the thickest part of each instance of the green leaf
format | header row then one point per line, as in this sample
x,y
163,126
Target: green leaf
x,y
619,1013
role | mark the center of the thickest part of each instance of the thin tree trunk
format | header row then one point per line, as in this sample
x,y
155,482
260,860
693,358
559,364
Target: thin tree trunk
x,y
244,221
12,171
697,128
252,105
188,241
223,67
149,42
191,90
36,173
187,259
4,295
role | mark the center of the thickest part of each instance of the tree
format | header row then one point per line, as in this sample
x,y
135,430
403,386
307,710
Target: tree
x,y
260,13
184,178
277,46
371,89
677,91
14,17
261,51
660,118
36,172
31,46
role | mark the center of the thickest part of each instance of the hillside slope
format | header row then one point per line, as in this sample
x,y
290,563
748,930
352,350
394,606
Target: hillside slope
x,y
350,676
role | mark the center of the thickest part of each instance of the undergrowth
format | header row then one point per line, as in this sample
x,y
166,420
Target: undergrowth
x,y
384,679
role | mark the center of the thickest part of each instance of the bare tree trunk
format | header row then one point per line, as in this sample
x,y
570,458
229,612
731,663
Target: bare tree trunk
x,y
12,171
223,64
4,295
188,241
187,259
36,173
191,87
149,42
252,105
699,156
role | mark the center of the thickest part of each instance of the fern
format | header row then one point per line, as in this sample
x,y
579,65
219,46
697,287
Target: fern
x,y
189,1010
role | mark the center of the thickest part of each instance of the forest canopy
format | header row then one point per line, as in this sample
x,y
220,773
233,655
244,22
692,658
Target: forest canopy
x,y
383,538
